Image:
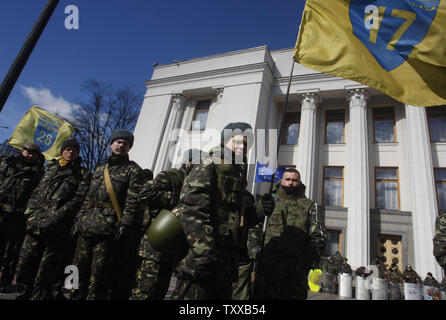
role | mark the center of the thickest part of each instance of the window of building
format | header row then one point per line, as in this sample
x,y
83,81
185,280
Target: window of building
x,y
334,243
437,123
290,128
333,187
440,182
387,191
384,125
200,115
334,126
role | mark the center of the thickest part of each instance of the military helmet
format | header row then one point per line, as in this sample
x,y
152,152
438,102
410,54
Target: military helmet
x,y
166,234
32,147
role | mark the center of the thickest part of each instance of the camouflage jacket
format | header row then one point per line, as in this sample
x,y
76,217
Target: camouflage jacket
x,y
97,216
331,268
210,209
411,277
163,192
394,276
295,235
17,180
57,199
431,282
440,239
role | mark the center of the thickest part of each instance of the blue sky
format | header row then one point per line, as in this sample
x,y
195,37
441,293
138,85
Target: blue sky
x,y
118,42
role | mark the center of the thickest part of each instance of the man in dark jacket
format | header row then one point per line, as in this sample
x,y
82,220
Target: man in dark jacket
x,y
294,240
19,175
106,231
48,246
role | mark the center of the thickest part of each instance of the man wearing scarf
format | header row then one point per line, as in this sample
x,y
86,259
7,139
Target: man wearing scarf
x,y
48,246
294,240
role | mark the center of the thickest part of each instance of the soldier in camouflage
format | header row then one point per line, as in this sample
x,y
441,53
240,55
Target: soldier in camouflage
x,y
48,245
155,268
430,281
294,240
394,275
440,239
19,175
102,248
410,276
210,210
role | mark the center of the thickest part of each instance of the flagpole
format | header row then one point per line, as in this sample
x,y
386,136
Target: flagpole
x,y
257,261
27,48
282,120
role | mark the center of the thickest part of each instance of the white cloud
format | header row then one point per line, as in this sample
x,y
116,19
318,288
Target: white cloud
x,y
43,98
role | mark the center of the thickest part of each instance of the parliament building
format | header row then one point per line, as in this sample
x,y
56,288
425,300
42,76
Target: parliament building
x,y
375,166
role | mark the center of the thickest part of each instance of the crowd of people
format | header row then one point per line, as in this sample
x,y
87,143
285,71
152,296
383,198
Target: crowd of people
x,y
63,215
394,278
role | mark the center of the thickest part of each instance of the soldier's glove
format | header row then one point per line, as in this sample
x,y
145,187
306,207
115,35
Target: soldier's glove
x,y
267,204
122,233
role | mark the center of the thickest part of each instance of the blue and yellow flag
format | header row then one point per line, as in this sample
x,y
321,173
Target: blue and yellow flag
x,y
44,129
265,173
395,46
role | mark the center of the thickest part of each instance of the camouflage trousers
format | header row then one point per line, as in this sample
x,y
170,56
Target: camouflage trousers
x,y
92,258
217,285
241,288
104,268
152,279
41,266
11,240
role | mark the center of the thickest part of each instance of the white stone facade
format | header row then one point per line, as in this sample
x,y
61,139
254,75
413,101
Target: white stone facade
x,y
250,86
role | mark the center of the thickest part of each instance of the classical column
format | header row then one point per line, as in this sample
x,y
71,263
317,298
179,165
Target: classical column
x,y
358,224
422,181
307,139
175,115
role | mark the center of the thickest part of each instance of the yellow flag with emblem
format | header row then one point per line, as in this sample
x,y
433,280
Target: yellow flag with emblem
x,y
395,46
46,130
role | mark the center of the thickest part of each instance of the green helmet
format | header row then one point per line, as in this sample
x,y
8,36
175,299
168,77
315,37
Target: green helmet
x,y
166,234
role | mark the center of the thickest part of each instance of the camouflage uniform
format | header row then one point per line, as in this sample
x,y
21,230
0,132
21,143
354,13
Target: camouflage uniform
x,y
17,181
431,282
394,276
295,238
440,239
410,276
155,269
209,210
48,245
100,259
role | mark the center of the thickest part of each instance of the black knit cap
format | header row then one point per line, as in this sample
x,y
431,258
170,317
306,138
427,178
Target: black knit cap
x,y
235,128
72,143
122,134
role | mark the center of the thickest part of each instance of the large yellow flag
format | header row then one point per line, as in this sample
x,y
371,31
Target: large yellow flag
x,y
395,46
44,129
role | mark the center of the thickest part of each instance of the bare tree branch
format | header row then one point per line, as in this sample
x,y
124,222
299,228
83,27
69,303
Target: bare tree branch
x,y
106,110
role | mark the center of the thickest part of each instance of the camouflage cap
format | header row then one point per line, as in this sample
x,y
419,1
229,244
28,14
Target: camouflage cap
x,y
30,146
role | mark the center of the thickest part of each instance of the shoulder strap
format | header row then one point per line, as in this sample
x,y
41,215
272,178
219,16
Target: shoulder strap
x,y
111,193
